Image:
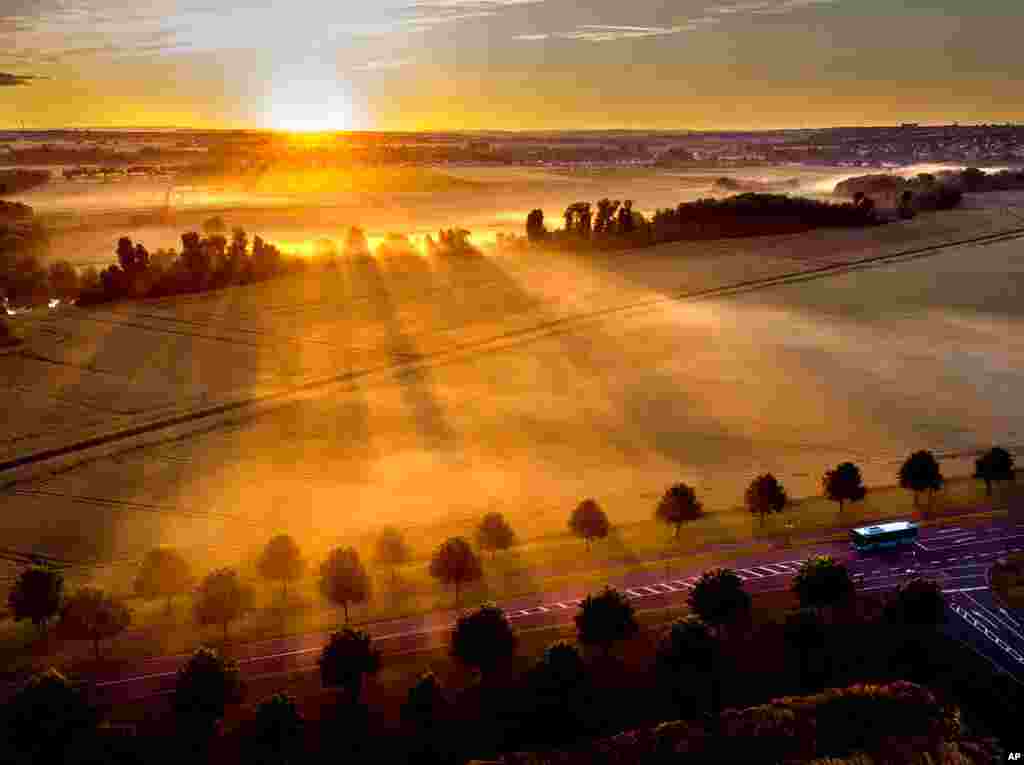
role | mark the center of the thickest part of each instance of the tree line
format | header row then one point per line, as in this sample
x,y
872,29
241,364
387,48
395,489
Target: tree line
x,y
611,224
574,690
208,261
204,263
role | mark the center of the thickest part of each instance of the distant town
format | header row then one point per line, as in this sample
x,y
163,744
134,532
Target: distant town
x,y
128,151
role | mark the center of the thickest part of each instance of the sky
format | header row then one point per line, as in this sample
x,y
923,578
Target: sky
x,y
508,64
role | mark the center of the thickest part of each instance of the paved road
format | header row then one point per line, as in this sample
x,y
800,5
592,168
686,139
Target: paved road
x,y
957,557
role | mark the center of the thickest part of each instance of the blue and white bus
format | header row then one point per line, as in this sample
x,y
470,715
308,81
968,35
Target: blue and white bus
x,y
883,536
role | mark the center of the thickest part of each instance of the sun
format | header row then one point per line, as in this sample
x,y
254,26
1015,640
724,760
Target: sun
x,y
310,100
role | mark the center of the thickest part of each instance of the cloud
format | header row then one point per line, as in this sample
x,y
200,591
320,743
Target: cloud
x,y
430,13
379,65
611,32
10,80
607,32
767,7
713,15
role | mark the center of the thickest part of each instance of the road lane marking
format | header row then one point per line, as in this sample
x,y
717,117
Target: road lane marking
x,y
988,633
996,618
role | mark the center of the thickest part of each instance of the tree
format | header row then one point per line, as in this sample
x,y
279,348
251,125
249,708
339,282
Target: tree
x,y
535,230
494,533
560,701
343,579
455,563
423,705
561,668
589,522
348,656
483,639
765,495
804,633
994,465
972,178
355,243
48,718
626,217
424,716
214,225
678,505
906,205
920,472
36,595
605,619
392,550
688,649
221,598
126,255
916,610
63,280
91,614
719,599
164,573
843,484
205,686
239,248
822,582
918,603
275,733
282,562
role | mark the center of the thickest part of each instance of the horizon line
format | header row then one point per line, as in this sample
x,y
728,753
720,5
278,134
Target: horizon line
x,y
508,131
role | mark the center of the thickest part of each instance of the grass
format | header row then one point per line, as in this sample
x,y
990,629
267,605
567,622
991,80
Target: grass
x,y
549,563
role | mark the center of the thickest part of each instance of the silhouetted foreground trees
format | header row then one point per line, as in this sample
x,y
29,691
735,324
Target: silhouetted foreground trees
x,y
723,678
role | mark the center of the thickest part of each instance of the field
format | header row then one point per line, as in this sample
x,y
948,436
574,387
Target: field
x,y
422,392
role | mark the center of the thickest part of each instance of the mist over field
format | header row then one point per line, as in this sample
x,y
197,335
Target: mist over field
x,y
89,216
439,388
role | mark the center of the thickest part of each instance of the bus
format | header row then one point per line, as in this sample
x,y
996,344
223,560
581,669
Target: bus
x,y
883,536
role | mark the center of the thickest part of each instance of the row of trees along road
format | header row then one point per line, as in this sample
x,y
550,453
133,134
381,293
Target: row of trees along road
x,y
222,597
689,662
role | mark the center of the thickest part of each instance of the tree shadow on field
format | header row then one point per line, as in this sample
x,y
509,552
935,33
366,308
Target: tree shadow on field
x,y
416,383
633,408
